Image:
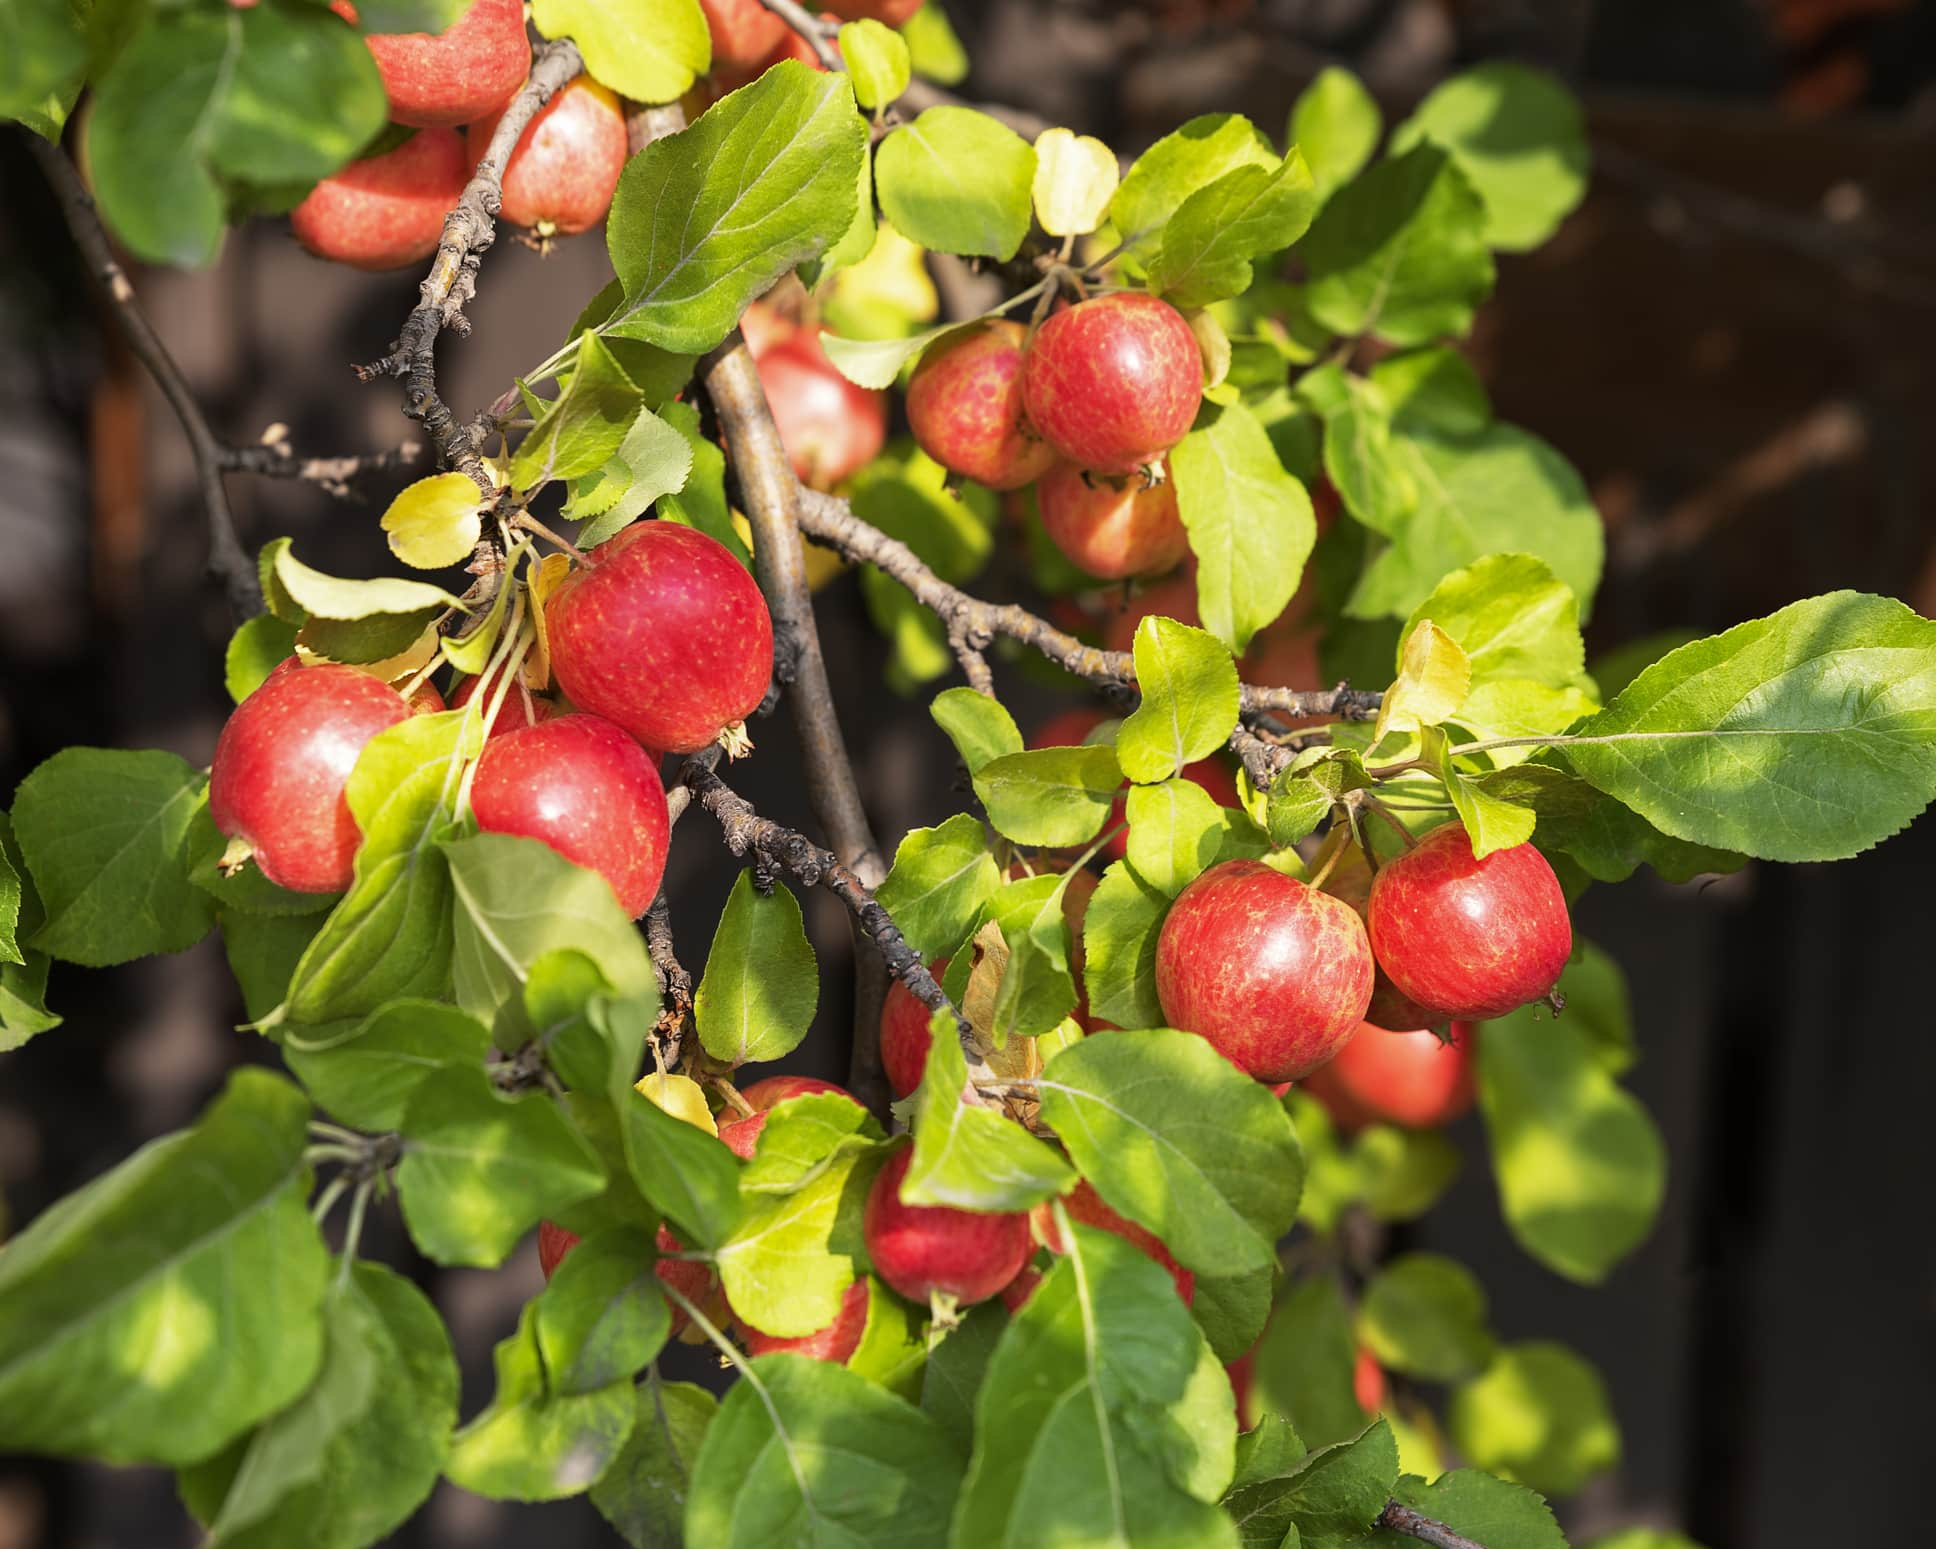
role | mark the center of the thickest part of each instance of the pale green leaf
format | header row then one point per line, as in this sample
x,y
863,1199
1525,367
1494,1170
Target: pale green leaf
x,y
970,1157
1190,699
1119,948
648,50
1538,1416
877,58
1050,796
435,521
655,459
790,1259
1176,166
580,429
977,725
957,181
328,597
940,879
1425,1315
1208,244
1335,122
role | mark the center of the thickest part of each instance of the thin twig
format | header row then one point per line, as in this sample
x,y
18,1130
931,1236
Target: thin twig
x,y
675,984
226,559
469,231
274,458
1402,1519
818,33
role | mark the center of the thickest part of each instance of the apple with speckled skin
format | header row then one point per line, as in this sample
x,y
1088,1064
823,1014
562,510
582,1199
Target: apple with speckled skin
x,y
520,708
457,76
744,32
587,790
964,405
1084,1204
927,1250
1469,939
566,164
385,212
1114,383
831,427
664,633
1390,1006
835,1343
1414,1079
770,1091
904,1034
1274,974
281,765
1112,528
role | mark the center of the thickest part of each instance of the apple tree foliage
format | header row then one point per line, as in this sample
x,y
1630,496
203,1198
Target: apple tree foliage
x,y
463,1027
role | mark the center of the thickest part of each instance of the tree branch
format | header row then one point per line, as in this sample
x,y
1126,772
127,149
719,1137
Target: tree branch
x,y
469,231
819,34
675,984
1402,1519
273,458
226,559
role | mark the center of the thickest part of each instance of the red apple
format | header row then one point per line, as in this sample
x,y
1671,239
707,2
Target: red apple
x,y
520,708
387,211
1407,1078
1350,880
1368,1382
924,1250
1016,1293
586,789
771,1091
904,1034
1242,1375
1469,939
282,762
830,427
744,32
1273,973
894,13
742,1135
1087,1206
457,76
964,404
663,632
1112,528
562,174
835,1343
427,700
1114,383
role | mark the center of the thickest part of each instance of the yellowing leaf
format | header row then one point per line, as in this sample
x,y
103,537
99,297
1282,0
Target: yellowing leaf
x,y
1434,676
681,1097
1214,344
892,277
436,521
1075,178
551,570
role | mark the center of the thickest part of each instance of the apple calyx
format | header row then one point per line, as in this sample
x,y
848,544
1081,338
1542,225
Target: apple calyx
x,y
736,740
235,855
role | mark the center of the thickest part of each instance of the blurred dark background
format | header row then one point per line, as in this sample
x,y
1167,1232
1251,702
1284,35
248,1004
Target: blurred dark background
x,y
1730,339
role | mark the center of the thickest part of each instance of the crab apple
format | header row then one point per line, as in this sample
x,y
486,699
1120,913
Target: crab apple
x,y
457,76
1114,383
831,427
1368,1382
1275,974
1469,939
894,13
926,1250
586,789
663,632
771,1091
1112,528
1084,1204
964,404
1016,1293
835,1343
1408,1078
554,1242
384,212
520,708
282,762
742,1135
744,32
904,1034
1390,1006
427,700
1242,1375
565,167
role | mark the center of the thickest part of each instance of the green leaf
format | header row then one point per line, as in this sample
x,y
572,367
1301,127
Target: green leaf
x,y
940,880
702,501
390,935
1491,822
1190,698
1513,618
1176,166
23,981
1597,1004
1432,389
1249,211
1579,1163
1329,1499
1402,1173
937,53
809,1453
1425,1315
1304,1363
877,58
761,984
1805,736
1119,948
1537,1416
518,899
367,1079
1036,990
648,50
360,1451
134,1277
262,952
1335,123
705,220
582,428
479,1170
1176,830
1249,521
877,363
654,460
328,597
969,1157
202,98
105,837
1433,679
1609,840
254,652
1400,252
1080,1422
1638,1538
362,641
1050,796
435,522
1487,1510
1179,1140
643,1492
801,1138
953,1376
893,1348
957,181
790,1259
1375,483
981,730
46,47
1519,136
1233,1309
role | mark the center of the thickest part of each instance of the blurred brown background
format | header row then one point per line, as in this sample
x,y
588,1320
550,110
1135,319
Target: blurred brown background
x,y
1730,339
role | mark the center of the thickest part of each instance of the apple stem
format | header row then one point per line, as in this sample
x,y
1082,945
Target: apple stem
x,y
1377,806
734,1097
531,524
1329,856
